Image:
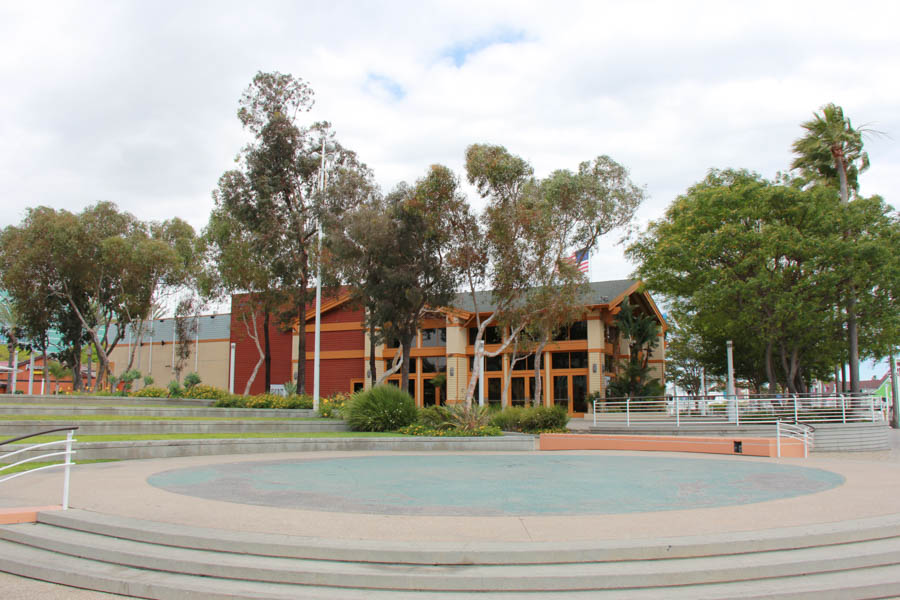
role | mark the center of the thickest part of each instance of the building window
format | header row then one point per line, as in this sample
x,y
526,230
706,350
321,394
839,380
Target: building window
x,y
575,331
526,364
434,364
412,365
435,337
492,335
491,363
612,332
569,360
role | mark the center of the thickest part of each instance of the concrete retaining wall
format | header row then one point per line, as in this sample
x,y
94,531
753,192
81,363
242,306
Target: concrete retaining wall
x,y
829,437
10,429
100,400
174,448
61,412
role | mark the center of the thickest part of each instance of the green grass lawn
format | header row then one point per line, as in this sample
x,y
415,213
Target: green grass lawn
x,y
101,417
35,465
215,436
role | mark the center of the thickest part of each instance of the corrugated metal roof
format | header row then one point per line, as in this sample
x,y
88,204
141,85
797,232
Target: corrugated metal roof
x,y
209,327
601,293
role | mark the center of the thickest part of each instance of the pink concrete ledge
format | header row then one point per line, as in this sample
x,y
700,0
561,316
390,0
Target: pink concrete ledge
x,y
27,514
749,446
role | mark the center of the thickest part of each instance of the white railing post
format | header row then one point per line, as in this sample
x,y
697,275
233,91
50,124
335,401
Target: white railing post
x,y
65,501
778,438
843,410
677,413
805,443
737,411
628,411
796,420
595,412
872,407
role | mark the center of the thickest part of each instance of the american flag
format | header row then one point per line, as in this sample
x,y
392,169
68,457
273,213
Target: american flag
x,y
581,259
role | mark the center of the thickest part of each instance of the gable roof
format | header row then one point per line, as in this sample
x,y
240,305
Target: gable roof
x,y
601,292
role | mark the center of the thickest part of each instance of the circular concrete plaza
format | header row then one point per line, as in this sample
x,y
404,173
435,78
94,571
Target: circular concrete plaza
x,y
561,497
497,485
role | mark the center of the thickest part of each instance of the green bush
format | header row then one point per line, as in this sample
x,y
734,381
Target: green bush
x,y
434,418
190,380
148,380
150,392
420,429
175,390
333,407
205,392
382,408
263,401
534,419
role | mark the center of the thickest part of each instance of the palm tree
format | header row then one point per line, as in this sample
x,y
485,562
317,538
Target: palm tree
x,y
831,152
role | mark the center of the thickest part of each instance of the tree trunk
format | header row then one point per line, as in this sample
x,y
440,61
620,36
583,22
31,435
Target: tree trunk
x,y
90,372
538,400
770,370
11,346
268,349
843,378
254,335
789,380
77,383
404,369
301,343
372,354
853,344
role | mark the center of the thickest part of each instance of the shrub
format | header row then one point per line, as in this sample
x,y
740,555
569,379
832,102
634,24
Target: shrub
x,y
205,392
175,390
293,402
148,380
190,380
128,378
262,401
333,407
290,388
420,429
534,419
382,408
434,418
150,392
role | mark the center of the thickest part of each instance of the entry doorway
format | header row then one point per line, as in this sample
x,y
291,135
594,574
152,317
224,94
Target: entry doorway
x,y
571,392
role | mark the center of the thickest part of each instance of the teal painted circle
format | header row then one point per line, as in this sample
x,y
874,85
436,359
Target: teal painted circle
x,y
488,485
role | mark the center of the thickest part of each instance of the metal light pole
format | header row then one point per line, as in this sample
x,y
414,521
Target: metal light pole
x,y
481,375
729,391
318,294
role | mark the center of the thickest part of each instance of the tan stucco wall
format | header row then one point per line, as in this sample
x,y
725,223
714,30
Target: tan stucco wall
x,y
211,362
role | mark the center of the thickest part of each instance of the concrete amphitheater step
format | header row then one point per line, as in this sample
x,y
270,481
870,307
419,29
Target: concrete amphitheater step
x,y
474,578
12,428
62,400
153,411
249,568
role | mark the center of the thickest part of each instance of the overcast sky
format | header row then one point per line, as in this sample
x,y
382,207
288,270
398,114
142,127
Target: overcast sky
x,y
135,102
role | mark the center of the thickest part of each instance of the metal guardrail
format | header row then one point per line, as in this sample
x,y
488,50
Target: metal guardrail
x,y
67,453
738,410
796,431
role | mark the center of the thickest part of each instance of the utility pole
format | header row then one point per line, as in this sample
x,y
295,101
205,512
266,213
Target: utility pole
x,y
729,390
302,361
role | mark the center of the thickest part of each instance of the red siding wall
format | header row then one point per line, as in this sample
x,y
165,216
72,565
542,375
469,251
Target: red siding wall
x,y
246,354
336,340
337,374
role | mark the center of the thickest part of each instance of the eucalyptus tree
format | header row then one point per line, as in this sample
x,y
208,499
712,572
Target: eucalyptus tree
x,y
529,227
831,152
276,194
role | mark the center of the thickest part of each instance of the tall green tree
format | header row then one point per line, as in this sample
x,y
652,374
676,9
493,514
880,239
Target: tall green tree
x,y
831,153
642,334
277,195
528,228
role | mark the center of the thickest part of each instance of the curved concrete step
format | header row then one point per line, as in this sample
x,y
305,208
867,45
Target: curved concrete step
x,y
12,428
153,411
873,582
476,578
467,553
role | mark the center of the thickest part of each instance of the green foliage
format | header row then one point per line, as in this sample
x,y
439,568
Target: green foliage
x,y
151,392
532,419
175,390
191,380
204,392
128,378
333,407
382,408
265,401
419,429
148,380
290,388
457,417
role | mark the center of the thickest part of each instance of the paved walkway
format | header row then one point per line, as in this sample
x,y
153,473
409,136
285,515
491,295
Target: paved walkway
x,y
872,488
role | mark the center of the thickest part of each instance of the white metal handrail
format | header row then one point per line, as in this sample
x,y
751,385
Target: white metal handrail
x,y
739,410
796,431
67,453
